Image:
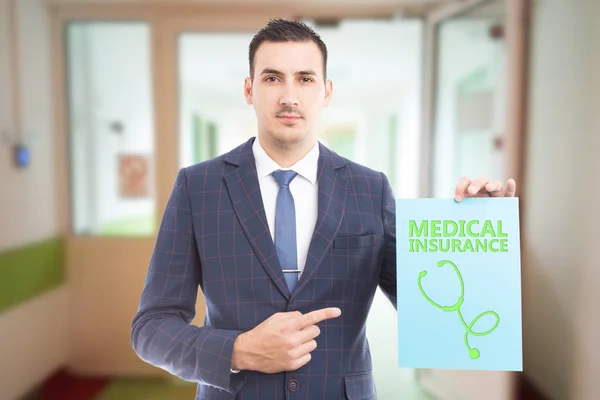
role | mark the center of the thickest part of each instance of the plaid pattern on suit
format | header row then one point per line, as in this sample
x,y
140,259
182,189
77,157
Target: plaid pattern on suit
x,y
214,234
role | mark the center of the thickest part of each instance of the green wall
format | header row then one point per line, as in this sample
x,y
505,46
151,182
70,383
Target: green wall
x,y
28,271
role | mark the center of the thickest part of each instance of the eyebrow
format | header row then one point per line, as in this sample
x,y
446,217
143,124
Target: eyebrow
x,y
276,72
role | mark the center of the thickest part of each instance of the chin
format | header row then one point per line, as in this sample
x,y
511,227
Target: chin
x,y
288,136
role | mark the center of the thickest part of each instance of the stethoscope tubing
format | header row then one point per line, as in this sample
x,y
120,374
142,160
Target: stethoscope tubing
x,y
473,353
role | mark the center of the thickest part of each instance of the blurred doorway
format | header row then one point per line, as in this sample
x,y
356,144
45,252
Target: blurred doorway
x,y
148,90
108,160
375,66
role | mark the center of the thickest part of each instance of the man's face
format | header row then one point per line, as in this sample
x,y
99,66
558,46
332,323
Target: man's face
x,y
288,91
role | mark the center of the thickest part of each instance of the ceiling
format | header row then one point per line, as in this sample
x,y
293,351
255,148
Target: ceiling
x,y
325,2
409,7
494,9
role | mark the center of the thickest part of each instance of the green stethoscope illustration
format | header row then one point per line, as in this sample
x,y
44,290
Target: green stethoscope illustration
x,y
473,352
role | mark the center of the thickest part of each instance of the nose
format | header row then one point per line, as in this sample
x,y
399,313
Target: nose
x,y
289,95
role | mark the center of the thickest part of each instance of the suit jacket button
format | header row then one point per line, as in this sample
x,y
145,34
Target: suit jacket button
x,y
293,385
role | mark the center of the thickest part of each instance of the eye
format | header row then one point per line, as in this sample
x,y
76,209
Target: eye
x,y
306,79
271,79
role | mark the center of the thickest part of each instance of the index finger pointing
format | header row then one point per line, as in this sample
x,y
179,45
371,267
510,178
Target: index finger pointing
x,y
317,316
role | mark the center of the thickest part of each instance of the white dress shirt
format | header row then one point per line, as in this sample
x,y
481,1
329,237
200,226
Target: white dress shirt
x,y
304,189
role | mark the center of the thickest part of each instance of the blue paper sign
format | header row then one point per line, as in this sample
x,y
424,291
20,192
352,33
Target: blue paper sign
x,y
459,284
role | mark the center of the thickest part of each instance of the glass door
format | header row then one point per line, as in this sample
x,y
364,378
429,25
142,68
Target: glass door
x,y
473,125
213,116
111,129
470,104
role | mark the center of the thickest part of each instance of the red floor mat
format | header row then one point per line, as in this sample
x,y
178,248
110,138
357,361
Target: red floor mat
x,y
64,386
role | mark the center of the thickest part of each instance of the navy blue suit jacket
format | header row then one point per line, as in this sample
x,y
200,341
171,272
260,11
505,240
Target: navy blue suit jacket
x,y
214,234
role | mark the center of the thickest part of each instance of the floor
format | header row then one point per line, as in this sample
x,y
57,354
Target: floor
x,y
62,386
65,387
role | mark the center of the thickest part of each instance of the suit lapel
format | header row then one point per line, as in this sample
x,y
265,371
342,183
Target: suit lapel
x,y
244,191
332,203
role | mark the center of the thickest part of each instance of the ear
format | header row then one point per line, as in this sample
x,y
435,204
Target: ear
x,y
328,92
248,90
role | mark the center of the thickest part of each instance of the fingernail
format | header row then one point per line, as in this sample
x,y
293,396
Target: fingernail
x,y
458,198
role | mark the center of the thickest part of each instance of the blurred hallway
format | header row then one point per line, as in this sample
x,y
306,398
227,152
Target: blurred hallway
x,y
102,102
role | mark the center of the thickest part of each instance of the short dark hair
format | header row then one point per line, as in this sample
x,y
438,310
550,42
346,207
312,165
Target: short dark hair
x,y
281,30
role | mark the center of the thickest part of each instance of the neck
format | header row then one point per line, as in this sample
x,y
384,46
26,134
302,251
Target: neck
x,y
286,154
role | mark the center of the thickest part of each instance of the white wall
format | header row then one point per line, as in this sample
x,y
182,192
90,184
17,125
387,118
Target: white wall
x,y
34,343
27,203
5,94
561,259
586,384
32,335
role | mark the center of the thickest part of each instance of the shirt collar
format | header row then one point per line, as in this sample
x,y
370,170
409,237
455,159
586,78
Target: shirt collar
x,y
306,167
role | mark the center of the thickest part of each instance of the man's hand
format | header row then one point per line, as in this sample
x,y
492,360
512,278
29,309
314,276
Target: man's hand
x,y
482,187
283,342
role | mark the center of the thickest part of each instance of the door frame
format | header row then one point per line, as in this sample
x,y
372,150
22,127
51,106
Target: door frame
x,y
517,35
517,22
102,271
88,271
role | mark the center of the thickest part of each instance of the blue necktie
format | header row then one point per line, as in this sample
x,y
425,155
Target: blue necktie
x,y
285,228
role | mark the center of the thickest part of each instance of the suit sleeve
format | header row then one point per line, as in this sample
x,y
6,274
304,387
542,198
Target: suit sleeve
x,y
387,279
161,333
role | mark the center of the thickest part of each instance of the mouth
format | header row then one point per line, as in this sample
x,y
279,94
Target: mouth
x,y
289,118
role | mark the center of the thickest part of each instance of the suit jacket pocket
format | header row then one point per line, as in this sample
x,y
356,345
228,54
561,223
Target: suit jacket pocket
x,y
354,241
360,386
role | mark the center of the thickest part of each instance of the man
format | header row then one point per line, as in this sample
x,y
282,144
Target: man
x,y
288,242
